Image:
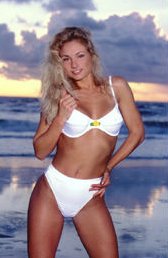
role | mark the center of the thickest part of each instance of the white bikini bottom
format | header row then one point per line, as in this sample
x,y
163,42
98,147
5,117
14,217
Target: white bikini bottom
x,y
71,194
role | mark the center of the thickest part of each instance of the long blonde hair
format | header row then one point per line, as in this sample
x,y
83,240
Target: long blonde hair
x,y
53,76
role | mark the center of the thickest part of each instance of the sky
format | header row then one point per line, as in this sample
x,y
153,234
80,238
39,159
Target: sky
x,y
130,36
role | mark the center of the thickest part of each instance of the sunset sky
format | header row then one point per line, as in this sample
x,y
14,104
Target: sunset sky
x,y
131,38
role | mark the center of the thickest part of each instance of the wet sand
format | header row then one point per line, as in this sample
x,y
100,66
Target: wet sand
x,y
137,200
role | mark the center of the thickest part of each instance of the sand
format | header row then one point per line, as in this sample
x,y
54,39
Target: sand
x,y
137,200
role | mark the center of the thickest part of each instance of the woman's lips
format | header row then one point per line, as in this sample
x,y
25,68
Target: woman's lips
x,y
76,72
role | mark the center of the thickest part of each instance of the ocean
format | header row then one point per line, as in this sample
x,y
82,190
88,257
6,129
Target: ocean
x,y
19,119
137,197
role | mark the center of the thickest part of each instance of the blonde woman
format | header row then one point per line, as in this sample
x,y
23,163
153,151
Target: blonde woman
x,y
81,117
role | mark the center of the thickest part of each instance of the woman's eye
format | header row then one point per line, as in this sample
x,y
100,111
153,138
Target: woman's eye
x,y
65,59
81,55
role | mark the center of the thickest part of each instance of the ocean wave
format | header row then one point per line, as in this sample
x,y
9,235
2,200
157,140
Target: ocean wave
x,y
17,125
151,148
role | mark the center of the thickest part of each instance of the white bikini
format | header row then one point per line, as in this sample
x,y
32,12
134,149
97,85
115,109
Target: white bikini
x,y
78,124
71,193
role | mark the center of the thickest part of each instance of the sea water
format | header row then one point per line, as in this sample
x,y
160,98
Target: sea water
x,y
19,119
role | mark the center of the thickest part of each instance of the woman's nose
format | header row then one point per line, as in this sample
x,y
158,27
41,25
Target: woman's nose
x,y
73,63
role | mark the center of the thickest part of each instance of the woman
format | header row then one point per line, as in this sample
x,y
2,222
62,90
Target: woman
x,y
81,117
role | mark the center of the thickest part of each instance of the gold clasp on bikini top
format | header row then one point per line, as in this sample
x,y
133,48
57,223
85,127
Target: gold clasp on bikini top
x,y
95,123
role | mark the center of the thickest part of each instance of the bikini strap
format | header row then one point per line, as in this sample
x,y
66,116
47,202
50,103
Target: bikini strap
x,y
112,90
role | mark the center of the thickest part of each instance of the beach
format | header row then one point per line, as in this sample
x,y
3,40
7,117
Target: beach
x,y
137,200
137,197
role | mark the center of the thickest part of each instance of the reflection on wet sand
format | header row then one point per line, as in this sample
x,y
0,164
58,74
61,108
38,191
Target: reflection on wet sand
x,y
136,187
137,200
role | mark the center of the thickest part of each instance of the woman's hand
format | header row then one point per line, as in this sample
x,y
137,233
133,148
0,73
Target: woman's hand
x,y
66,105
101,188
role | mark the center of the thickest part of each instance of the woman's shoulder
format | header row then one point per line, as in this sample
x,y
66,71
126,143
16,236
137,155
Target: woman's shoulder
x,y
120,86
119,81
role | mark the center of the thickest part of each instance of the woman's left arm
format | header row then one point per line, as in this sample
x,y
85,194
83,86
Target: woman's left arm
x,y
135,127
132,121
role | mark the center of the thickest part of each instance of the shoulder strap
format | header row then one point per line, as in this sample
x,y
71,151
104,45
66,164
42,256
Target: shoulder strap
x,y
111,87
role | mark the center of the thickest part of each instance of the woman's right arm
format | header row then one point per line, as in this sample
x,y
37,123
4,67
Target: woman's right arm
x,y
47,136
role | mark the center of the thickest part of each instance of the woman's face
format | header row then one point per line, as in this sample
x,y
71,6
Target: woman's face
x,y
77,61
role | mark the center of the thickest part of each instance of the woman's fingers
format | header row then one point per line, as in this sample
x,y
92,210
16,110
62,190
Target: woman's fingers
x,y
100,193
95,187
67,100
100,188
66,105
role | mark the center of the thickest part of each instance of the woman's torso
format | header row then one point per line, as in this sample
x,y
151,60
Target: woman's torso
x,y
89,135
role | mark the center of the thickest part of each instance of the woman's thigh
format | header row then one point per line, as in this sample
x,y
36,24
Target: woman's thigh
x,y
45,222
96,230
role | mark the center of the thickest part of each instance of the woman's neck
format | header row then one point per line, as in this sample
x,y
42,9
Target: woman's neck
x,y
86,83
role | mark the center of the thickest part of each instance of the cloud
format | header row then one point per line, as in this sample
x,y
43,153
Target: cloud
x,y
69,4
22,61
24,22
19,1
73,18
8,50
54,5
130,46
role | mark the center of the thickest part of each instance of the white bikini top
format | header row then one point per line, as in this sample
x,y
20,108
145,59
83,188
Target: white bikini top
x,y
79,123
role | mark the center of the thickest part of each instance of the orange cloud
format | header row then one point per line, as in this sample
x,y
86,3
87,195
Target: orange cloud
x,y
149,91
22,88
31,88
